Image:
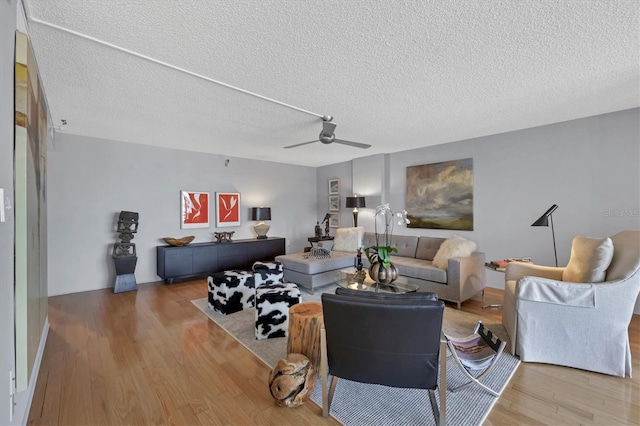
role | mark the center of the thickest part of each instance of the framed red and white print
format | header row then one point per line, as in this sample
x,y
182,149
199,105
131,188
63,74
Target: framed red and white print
x,y
194,209
227,209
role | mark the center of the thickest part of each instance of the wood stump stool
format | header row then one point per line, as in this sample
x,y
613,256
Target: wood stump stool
x,y
305,322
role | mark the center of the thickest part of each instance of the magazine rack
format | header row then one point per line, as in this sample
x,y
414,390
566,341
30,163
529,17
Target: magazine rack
x,y
476,354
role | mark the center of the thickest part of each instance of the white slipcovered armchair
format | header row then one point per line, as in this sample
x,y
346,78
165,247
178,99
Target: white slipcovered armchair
x,y
582,325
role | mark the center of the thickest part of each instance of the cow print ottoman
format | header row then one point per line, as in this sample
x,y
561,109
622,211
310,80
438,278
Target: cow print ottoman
x,y
231,291
272,309
267,273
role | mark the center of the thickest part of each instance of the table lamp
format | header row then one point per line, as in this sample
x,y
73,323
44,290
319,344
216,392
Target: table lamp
x,y
261,214
355,202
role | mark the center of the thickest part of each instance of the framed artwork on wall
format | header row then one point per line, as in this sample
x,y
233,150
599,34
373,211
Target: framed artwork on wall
x,y
440,195
334,186
334,220
334,203
194,209
227,209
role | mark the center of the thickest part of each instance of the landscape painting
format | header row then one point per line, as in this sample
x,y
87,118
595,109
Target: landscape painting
x,y
440,195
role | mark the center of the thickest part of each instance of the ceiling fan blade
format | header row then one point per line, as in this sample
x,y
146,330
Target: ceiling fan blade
x,y
300,144
356,144
328,128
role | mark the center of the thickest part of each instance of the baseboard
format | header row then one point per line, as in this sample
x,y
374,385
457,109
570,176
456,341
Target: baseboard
x,y
25,398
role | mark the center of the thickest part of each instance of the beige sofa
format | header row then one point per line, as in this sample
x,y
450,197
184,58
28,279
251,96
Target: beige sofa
x,y
463,278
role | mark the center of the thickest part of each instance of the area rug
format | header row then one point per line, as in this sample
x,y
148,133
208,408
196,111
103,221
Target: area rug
x,y
365,404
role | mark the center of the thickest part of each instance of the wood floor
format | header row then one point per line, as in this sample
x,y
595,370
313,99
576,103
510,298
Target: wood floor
x,y
151,357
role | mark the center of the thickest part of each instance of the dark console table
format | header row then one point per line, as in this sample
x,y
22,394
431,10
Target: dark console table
x,y
201,259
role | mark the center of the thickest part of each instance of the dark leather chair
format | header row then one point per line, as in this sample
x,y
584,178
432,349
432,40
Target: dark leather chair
x,y
387,339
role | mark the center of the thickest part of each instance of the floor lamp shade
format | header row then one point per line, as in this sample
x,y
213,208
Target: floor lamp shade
x,y
261,214
355,202
544,221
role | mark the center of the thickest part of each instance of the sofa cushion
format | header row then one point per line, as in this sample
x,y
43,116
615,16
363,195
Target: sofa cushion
x,y
297,262
348,239
369,239
455,246
419,268
590,258
405,244
428,247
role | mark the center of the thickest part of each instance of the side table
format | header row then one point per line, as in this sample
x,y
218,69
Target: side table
x,y
491,268
500,266
314,240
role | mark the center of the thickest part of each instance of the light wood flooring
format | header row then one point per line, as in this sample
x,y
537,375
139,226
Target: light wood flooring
x,y
151,357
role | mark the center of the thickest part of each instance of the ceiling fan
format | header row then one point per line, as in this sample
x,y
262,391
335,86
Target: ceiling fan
x,y
327,136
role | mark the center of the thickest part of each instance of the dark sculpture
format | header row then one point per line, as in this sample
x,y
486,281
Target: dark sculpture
x,y
359,259
124,253
318,230
360,273
326,219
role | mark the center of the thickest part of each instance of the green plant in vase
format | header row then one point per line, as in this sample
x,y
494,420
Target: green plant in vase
x,y
382,270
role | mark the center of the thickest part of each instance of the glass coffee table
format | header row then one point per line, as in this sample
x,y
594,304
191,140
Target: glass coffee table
x,y
346,278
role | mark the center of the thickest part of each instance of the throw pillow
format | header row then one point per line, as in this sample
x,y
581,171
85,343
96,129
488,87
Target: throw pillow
x,y
455,246
590,258
348,239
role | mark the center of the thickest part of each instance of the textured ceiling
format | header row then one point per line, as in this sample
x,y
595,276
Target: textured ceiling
x,y
396,75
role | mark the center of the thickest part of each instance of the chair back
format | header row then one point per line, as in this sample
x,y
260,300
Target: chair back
x,y
389,341
626,256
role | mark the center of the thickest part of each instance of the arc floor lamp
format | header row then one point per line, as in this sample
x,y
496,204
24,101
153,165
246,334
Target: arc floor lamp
x,y
544,221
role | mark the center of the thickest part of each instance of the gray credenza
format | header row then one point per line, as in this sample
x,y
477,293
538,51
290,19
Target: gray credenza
x,y
201,259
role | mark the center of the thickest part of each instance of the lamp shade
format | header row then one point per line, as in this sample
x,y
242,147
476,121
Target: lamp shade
x,y
356,202
544,219
260,213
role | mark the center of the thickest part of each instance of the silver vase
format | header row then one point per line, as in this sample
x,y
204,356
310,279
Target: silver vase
x,y
383,275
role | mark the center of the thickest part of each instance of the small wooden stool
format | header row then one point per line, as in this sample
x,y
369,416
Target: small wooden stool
x,y
305,322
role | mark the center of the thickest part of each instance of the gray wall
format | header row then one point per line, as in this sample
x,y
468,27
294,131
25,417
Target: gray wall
x,y
589,167
7,347
92,180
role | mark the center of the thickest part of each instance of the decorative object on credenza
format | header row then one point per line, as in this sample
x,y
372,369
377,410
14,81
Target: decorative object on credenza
x,y
124,253
544,221
326,221
194,209
382,270
440,195
261,214
355,202
179,242
223,237
227,209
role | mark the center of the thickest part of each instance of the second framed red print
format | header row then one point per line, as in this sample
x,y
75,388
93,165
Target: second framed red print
x,y
227,209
